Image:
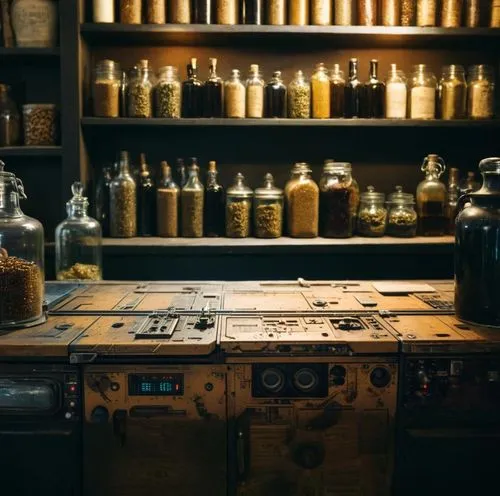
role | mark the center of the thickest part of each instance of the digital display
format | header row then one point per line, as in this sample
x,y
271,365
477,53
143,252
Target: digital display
x,y
156,385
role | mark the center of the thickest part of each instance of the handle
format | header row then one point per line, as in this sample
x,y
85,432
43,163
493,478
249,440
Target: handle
x,y
462,201
20,189
155,411
120,425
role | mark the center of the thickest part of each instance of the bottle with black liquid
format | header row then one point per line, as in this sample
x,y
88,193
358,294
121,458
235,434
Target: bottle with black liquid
x,y
146,201
192,92
275,97
102,199
353,90
337,92
203,11
373,99
214,217
254,13
212,91
181,175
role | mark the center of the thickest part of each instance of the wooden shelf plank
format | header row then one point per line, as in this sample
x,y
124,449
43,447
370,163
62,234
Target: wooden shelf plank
x,y
30,151
29,52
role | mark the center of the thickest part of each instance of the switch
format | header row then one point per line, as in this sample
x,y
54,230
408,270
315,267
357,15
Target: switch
x,y
99,415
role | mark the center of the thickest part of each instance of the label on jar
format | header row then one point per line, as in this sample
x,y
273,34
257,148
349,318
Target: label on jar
x,y
255,101
423,101
395,101
481,101
34,22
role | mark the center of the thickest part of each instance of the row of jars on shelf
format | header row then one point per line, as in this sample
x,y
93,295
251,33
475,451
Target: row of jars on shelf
x,y
447,13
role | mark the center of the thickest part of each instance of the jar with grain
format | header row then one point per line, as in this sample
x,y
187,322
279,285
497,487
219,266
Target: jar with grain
x,y
227,12
167,204
495,14
395,94
103,10
276,12
268,210
156,12
302,203
401,216
140,91
391,12
123,202
275,97
255,93
106,89
78,241
21,258
41,124
299,97
298,12
10,118
451,13
321,12
452,93
480,92
367,12
130,11
35,22
167,93
234,96
238,208
372,214
422,93
337,92
426,13
408,12
254,12
179,11
192,203
320,92
343,10
473,13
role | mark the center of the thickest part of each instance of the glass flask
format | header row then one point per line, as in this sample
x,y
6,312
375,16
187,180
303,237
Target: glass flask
x,y
422,99
78,241
102,191
299,97
234,96
275,98
167,204
212,92
372,214
238,208
140,91
337,92
395,94
431,198
146,200
192,92
268,210
255,93
452,92
10,118
373,101
401,217
477,257
320,90
452,200
192,203
214,204
481,92
167,93
21,257
353,91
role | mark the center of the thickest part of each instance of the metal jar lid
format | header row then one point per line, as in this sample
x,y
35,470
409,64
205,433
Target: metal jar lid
x,y
371,196
400,197
268,191
239,189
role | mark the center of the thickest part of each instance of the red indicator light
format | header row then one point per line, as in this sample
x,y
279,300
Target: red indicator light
x,y
72,389
177,387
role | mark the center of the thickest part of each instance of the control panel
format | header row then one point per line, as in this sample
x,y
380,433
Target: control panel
x,y
72,395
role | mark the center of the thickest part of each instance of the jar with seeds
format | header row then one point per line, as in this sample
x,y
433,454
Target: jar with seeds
x,y
298,12
192,203
238,208
179,11
451,13
480,92
140,91
167,93
391,12
343,12
41,124
367,12
452,93
167,204
234,96
299,97
106,89
401,217
21,258
276,12
372,215
268,210
426,13
130,11
155,12
227,12
321,12
320,93
408,12
473,13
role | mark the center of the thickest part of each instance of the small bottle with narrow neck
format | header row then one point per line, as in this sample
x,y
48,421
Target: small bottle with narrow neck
x,y
453,195
212,91
146,200
373,94
192,203
214,218
167,204
192,92
337,92
181,175
353,90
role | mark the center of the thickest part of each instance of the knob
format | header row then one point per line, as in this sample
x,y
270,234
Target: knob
x,y
272,379
72,404
380,377
309,455
99,415
338,374
68,415
305,379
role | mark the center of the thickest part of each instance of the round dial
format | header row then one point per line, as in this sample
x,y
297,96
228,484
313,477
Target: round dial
x,y
305,379
272,379
380,377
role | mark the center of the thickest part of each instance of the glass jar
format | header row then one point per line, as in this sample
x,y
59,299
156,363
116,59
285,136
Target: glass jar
x,y
343,12
268,210
495,14
106,89
372,214
480,92
10,119
402,217
336,190
431,198
192,203
391,12
275,97
422,93
452,198
123,202
146,200
367,12
472,13
202,12
214,204
299,97
41,124
167,204
302,203
408,12
78,241
179,11
167,93
320,92
234,96
469,184
276,12
452,93
21,257
130,11
451,13
238,208
395,94
321,12
35,22
477,257
123,94
212,92
140,91
426,13
255,93
227,12
102,198
337,92
192,92
155,12
254,12
103,11
298,12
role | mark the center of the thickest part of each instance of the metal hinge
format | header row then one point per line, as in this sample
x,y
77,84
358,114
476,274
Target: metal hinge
x,y
82,358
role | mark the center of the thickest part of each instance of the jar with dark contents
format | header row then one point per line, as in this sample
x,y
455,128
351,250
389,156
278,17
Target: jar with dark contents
x,y
140,91
299,97
212,92
254,12
102,192
337,92
214,217
452,93
268,210
372,214
238,208
192,203
10,118
275,97
401,216
146,200
203,12
192,92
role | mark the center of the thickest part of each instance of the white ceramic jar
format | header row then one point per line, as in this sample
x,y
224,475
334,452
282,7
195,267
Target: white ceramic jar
x,y
35,23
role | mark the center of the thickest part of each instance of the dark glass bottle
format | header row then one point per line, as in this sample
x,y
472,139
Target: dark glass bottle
x,y
337,92
469,183
102,199
275,97
212,91
181,176
453,195
192,92
214,217
373,98
254,12
146,201
202,11
353,90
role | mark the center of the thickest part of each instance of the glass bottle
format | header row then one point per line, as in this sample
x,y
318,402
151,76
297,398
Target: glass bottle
x,y
367,12
355,195
179,11
302,203
78,241
41,124
10,118
452,93
268,210
469,183
426,13
422,93
238,208
472,13
431,198
276,12
130,11
214,204
298,12
395,94
146,200
181,175
106,89
167,93
353,91
227,12
234,96
480,92
452,198
275,97
402,217
124,94
372,215
167,204
155,12
255,93
451,13
299,97
140,91
123,202
391,12
203,11
103,11
192,203
477,257
254,12
337,92
321,12
320,93
408,12
373,94
495,14
192,92
212,91
343,12
102,196
21,258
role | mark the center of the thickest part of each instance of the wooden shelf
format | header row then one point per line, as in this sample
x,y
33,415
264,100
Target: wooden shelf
x,y
30,151
29,52
342,36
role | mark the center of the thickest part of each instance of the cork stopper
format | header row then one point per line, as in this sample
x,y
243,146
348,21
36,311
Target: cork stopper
x,y
166,171
143,64
194,62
